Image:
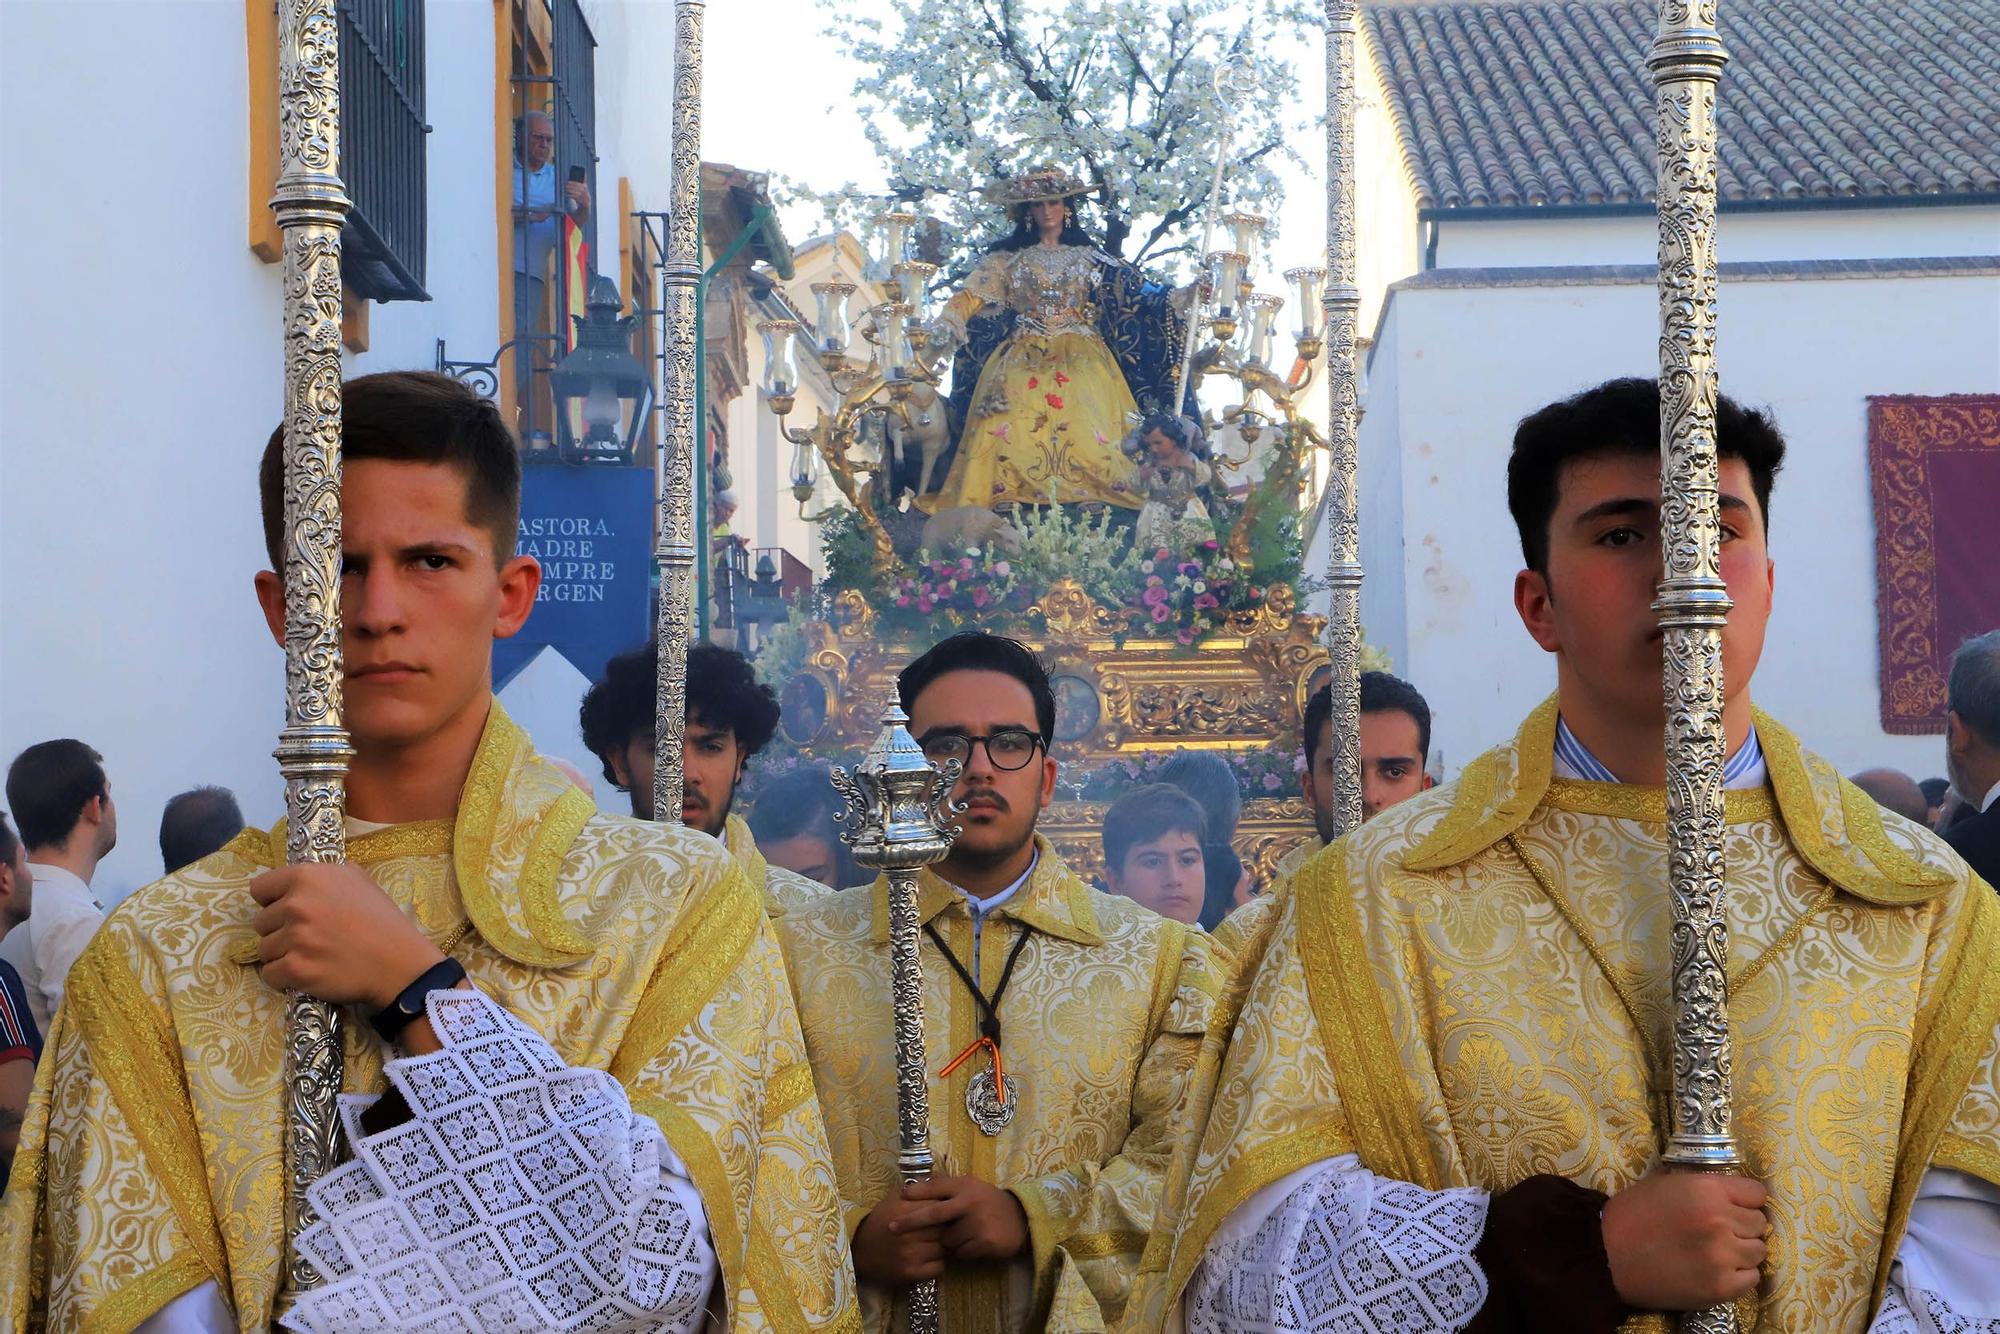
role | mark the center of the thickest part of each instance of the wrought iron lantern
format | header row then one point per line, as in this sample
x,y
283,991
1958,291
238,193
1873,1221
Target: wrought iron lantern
x,y
603,395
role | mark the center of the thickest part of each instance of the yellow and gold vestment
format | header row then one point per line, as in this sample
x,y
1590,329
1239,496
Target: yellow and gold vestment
x,y
152,1158
781,889
1473,989
1102,1022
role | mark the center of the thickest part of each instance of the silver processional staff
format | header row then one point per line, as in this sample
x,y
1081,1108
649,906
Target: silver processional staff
x,y
898,808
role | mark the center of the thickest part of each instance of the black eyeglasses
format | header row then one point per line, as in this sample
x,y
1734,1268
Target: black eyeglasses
x,y
1010,748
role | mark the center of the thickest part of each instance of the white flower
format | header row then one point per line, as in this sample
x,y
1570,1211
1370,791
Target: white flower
x,y
1201,585
1145,567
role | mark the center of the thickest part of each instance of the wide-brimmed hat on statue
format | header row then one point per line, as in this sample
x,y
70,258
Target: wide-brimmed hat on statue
x,y
1036,185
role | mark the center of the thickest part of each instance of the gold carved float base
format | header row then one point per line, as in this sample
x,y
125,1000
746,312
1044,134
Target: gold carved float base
x,y
1241,690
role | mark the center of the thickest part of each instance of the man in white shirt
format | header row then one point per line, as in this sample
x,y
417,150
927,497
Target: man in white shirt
x,y
539,203
62,802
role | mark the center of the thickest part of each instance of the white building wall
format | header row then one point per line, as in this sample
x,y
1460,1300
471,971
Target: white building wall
x,y
1459,367
140,367
1873,233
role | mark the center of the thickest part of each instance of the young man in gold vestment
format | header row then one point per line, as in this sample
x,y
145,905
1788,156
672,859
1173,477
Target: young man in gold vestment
x,y
1061,1025
731,715
594,1109
1441,1105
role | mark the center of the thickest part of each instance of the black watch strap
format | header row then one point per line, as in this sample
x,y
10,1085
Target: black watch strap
x,y
408,1006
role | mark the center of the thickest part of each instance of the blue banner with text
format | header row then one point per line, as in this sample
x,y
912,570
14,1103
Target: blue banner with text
x,y
591,527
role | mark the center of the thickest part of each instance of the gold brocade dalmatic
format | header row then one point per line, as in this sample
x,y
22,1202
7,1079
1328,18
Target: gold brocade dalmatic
x,y
1101,1025
1474,988
152,1157
781,889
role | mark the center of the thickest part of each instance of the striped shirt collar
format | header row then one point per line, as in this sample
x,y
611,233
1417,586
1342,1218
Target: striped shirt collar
x,y
1745,768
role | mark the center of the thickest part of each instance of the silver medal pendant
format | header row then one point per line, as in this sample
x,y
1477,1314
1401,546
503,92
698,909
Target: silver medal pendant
x,y
983,1104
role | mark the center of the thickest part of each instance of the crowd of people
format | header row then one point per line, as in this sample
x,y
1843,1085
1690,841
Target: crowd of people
x,y
610,1072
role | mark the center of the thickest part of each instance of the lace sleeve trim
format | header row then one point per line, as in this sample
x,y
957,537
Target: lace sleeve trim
x,y
522,1194
1347,1250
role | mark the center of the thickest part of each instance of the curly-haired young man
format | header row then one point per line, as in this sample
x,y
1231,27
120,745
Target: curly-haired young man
x,y
731,715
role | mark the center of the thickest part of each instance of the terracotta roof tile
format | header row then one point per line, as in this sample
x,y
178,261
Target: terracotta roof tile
x,y
1549,102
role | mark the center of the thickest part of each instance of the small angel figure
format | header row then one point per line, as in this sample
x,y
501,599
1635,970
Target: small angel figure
x,y
1173,472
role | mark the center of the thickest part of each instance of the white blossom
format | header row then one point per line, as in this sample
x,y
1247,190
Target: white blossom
x,y
1120,92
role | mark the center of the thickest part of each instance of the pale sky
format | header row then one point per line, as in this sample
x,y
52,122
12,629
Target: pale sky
x,y
777,90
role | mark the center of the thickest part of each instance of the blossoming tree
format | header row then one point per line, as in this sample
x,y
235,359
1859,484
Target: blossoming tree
x,y
962,92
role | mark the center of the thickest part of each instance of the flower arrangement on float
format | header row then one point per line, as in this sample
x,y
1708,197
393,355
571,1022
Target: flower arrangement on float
x,y
952,592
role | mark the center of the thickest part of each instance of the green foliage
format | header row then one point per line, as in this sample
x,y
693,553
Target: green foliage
x,y
781,654
1060,543
850,556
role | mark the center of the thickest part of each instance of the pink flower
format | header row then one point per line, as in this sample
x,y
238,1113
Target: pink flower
x,y
1185,636
1003,569
1206,602
1271,783
980,597
924,603
1160,613
1154,596
1162,554
965,562
902,599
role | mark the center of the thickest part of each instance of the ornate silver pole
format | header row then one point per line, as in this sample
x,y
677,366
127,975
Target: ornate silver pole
x,y
312,750
1687,63
680,276
1342,302
898,813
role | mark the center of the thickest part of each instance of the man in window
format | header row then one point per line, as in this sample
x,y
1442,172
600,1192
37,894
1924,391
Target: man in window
x,y
538,208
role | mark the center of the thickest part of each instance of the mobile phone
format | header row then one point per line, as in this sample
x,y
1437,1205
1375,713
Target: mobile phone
x,y
576,175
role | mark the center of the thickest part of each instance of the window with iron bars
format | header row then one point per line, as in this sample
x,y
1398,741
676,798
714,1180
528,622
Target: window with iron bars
x,y
555,75
382,148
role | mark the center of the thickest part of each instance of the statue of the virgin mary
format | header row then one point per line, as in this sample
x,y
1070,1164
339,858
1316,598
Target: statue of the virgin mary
x,y
1059,345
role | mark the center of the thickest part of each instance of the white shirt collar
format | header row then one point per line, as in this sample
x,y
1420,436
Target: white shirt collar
x,y
1745,769
60,880
1992,795
980,907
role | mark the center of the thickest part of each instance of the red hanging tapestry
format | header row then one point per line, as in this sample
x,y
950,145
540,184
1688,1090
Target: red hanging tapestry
x,y
1935,468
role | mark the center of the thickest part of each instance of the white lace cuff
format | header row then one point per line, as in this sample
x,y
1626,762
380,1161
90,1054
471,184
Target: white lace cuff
x,y
1345,1249
522,1194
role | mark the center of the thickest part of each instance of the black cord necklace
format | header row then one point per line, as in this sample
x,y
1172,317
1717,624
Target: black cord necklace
x,y
990,1095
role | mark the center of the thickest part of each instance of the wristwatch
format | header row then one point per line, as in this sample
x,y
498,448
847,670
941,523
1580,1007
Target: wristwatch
x,y
408,1007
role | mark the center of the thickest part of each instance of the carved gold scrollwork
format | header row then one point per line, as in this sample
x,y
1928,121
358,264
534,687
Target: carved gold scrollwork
x,y
855,617
1272,616
1072,614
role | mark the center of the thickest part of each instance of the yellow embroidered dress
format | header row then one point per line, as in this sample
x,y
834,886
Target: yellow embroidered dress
x,y
1473,989
1048,412
152,1157
781,889
1101,1023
